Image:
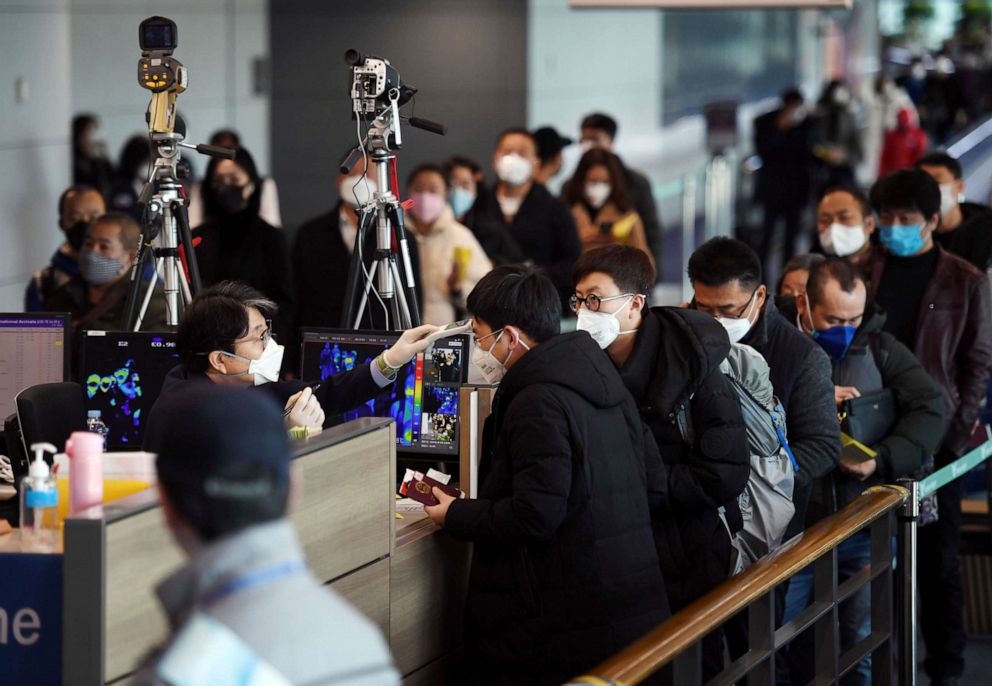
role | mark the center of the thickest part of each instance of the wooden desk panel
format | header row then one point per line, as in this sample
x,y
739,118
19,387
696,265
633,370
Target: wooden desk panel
x,y
368,590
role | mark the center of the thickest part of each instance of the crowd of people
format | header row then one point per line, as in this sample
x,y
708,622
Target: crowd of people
x,y
617,460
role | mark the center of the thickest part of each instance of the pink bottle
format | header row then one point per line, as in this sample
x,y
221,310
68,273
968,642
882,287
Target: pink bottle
x,y
85,450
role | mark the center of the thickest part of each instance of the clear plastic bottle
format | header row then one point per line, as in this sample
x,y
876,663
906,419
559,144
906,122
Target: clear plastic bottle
x,y
95,424
39,504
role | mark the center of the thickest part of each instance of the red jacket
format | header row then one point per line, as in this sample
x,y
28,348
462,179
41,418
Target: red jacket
x,y
903,146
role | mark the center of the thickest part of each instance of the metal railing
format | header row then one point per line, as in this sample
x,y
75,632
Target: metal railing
x,y
676,645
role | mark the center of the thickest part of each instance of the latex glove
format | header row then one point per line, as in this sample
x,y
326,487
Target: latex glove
x,y
303,409
410,343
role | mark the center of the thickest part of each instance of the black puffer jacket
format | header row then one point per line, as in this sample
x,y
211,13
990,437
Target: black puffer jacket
x,y
676,360
564,570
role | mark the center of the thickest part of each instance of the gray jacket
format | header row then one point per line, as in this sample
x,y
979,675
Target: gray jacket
x,y
256,584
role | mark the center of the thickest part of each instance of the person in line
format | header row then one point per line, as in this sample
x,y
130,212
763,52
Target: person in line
x,y
904,145
468,189
564,570
452,261
78,207
866,360
938,307
235,244
225,337
132,173
601,204
97,296
783,138
599,130
795,273
550,143
539,223
245,582
693,543
838,137
90,166
845,224
965,227
322,256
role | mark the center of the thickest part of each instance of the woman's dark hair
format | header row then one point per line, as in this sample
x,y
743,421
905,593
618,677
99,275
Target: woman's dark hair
x,y
215,319
242,158
804,262
461,161
630,268
907,189
575,187
721,260
80,123
428,167
134,158
523,297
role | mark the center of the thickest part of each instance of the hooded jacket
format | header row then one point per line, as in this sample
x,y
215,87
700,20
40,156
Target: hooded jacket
x,y
675,360
564,569
876,361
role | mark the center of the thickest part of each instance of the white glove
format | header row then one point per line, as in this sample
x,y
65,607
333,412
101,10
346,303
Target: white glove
x,y
412,341
303,409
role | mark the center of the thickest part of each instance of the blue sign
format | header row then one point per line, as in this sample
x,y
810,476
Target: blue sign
x,y
30,619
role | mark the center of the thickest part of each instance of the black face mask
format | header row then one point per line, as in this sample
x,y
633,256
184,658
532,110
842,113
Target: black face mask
x,y
231,199
76,234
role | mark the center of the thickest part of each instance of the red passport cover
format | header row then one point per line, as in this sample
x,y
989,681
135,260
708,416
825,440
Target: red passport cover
x,y
421,490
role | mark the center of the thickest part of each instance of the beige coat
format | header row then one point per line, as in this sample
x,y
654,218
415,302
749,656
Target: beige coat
x,y
628,229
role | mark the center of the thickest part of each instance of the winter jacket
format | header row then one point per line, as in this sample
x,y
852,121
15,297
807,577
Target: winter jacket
x,y
675,360
953,340
63,267
800,373
876,361
564,570
972,240
903,146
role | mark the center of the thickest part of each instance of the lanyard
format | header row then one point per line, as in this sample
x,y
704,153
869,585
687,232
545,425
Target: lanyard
x,y
251,580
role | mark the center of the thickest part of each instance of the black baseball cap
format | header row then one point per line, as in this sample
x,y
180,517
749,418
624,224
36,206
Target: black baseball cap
x,y
224,458
549,142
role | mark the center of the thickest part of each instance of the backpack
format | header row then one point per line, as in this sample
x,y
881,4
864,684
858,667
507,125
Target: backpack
x,y
766,501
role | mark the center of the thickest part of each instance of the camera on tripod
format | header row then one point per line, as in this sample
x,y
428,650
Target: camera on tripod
x,y
160,72
374,84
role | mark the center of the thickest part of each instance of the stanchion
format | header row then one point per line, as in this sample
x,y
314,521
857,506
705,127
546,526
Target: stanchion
x,y
907,517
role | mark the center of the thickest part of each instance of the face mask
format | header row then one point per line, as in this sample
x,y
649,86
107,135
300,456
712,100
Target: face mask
x,y
76,235
231,199
902,241
513,169
492,369
427,207
461,200
842,97
918,72
948,199
835,341
586,146
798,115
842,240
264,369
364,187
604,327
98,269
597,193
737,327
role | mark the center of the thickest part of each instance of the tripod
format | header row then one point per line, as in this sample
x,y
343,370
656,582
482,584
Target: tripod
x,y
165,219
396,291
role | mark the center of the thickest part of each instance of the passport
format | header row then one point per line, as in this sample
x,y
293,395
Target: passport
x,y
419,489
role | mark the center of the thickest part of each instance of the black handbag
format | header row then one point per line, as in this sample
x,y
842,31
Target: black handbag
x,y
870,418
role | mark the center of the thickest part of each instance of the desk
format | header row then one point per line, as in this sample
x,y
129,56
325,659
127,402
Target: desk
x,y
410,580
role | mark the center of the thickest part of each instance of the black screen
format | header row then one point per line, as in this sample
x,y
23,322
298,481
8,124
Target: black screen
x,y
122,374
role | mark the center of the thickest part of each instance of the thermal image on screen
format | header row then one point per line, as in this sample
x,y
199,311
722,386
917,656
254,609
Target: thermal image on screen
x,y
122,392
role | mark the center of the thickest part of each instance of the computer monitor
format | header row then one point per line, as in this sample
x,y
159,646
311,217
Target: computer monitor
x,y
122,373
34,349
424,399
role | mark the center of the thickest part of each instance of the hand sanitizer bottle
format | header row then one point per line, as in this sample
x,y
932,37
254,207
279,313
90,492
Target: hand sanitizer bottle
x,y
39,504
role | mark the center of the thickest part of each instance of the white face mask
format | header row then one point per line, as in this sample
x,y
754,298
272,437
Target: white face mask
x,y
597,193
604,327
737,328
513,169
364,187
264,369
842,240
492,369
948,199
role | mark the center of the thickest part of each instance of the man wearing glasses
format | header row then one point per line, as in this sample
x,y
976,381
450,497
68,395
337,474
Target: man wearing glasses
x,y
225,337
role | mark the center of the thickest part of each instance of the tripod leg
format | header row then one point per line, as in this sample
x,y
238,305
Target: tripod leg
x,y
402,309
365,297
148,296
186,236
137,274
407,284
355,275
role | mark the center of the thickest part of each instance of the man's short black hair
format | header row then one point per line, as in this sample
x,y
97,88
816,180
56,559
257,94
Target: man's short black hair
x,y
907,189
217,317
855,193
425,168
792,96
600,122
73,190
941,159
804,262
518,296
844,272
462,161
721,260
516,131
629,267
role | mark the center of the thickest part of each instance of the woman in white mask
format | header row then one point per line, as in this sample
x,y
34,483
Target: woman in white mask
x,y
597,194
225,337
844,223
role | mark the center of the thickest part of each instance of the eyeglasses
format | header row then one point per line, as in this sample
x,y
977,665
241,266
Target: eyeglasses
x,y
592,301
693,305
482,338
262,338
